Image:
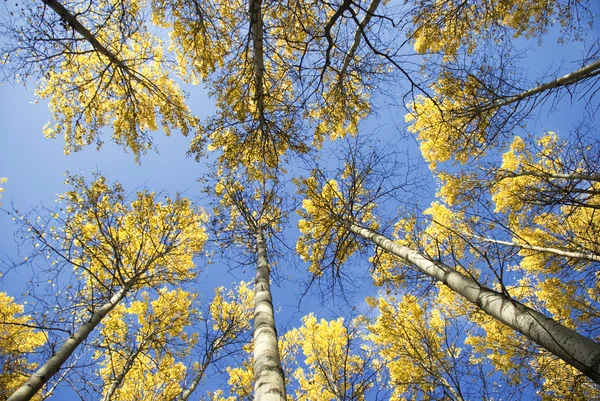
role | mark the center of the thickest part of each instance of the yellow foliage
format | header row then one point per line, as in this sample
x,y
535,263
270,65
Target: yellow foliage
x,y
444,131
142,341
326,209
145,242
447,25
414,346
244,207
443,234
232,311
531,172
255,127
17,340
346,103
332,371
88,92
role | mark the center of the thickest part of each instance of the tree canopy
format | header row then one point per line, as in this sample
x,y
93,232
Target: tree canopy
x,y
451,252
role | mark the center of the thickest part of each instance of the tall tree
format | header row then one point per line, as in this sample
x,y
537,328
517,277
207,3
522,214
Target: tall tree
x,y
114,249
248,212
327,209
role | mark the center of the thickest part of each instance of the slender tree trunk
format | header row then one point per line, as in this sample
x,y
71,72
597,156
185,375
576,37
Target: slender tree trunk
x,y
256,32
70,19
555,251
547,175
269,383
358,34
188,391
44,373
584,72
119,379
573,348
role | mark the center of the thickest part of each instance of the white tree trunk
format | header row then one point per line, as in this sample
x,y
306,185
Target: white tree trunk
x,y
555,251
573,348
269,383
48,369
256,32
190,390
587,71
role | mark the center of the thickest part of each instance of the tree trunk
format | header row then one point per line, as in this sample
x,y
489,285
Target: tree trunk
x,y
256,32
360,30
43,374
190,390
584,72
269,383
116,383
554,251
573,348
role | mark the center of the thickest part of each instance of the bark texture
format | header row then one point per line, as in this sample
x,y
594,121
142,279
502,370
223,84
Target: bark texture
x,y
269,383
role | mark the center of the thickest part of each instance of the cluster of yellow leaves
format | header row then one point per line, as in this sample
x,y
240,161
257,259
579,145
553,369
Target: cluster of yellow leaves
x,y
232,311
444,127
323,361
332,371
16,341
525,176
255,127
447,25
200,45
244,207
87,91
326,209
2,181
142,342
250,129
444,234
345,104
414,345
146,242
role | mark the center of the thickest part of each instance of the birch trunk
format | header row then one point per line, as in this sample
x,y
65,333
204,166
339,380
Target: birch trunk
x,y
190,390
119,379
43,374
573,348
555,251
269,383
256,32
358,34
69,18
587,71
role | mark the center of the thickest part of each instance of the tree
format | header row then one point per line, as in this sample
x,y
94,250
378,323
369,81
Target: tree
x,y
98,67
248,210
114,249
323,210
149,347
421,341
